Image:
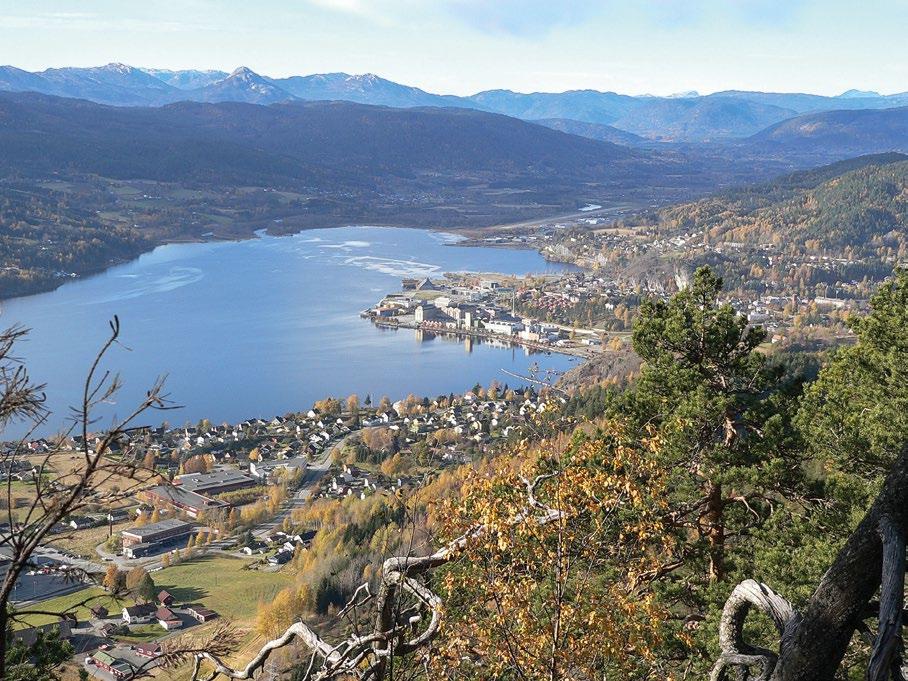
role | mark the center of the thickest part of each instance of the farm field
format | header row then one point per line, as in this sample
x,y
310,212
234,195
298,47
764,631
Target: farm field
x,y
222,584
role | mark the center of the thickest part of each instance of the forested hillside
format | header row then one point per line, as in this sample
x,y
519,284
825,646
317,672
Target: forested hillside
x,y
317,144
843,133
833,209
46,236
632,530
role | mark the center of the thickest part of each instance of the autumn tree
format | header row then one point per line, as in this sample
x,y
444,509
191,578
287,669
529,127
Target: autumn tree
x,y
572,550
377,439
196,464
396,465
569,597
283,610
134,577
329,406
114,580
146,589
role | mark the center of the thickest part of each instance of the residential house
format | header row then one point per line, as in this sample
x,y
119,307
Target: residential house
x,y
139,614
281,557
99,612
168,619
109,629
201,613
148,649
116,666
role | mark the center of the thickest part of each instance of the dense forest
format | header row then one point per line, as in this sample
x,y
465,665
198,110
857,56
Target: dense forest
x,y
48,235
832,210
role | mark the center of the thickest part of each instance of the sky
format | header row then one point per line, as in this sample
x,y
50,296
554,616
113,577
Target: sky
x,y
464,46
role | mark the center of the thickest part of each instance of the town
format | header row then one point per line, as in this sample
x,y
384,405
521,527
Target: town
x,y
799,295
232,494
480,307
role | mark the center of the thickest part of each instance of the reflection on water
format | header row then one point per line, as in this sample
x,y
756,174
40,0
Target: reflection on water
x,y
423,336
264,326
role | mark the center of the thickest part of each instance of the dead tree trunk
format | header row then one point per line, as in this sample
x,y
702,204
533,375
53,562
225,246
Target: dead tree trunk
x,y
814,642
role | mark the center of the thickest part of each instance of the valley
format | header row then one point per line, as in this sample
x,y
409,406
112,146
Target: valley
x,y
586,358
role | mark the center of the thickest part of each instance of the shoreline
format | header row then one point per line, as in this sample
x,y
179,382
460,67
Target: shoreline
x,y
470,239
477,333
446,362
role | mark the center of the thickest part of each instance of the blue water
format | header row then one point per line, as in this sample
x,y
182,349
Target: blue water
x,y
261,327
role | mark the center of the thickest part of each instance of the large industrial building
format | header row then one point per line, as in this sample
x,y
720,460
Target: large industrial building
x,y
141,541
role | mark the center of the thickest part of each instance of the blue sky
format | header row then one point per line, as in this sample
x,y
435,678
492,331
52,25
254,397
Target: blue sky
x,y
462,46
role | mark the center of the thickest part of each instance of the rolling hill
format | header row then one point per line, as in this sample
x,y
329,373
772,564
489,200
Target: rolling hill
x,y
835,134
588,106
356,145
595,131
859,204
700,119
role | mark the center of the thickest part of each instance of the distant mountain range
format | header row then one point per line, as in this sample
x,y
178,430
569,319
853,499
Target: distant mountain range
x,y
720,116
595,131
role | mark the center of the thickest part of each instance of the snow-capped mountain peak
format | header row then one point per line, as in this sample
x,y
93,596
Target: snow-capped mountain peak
x,y
119,67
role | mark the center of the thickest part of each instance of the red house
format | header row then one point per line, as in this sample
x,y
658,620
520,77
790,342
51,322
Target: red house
x,y
148,649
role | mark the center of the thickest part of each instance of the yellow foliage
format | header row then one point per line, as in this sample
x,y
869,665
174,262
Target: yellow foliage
x,y
568,598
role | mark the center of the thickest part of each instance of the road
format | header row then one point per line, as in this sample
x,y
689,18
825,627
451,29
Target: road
x,y
313,474
311,478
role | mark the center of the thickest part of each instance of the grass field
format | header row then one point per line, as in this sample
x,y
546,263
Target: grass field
x,y
139,633
83,542
21,494
63,603
221,584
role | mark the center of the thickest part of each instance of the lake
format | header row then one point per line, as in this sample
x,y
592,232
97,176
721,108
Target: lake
x,y
264,326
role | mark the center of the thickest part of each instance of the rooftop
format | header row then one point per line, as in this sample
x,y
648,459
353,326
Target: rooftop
x,y
185,497
171,524
199,482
